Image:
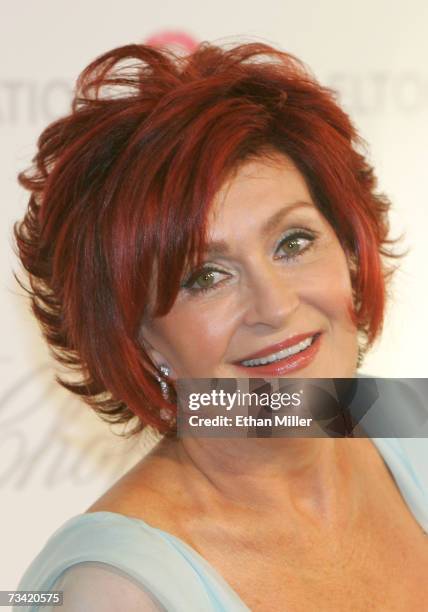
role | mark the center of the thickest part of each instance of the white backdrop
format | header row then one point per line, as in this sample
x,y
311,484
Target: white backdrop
x,y
55,456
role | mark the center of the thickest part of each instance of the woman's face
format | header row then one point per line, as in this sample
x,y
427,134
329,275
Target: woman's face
x,y
272,296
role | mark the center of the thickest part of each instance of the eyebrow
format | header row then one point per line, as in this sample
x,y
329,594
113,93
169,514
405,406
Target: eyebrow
x,y
220,247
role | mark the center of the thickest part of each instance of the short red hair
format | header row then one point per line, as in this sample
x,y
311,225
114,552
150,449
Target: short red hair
x,y
124,183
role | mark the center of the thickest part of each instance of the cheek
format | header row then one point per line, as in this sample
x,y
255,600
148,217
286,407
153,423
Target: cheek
x,y
329,292
328,287
194,336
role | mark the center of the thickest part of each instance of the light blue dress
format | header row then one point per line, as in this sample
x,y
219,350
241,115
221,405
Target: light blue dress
x,y
120,563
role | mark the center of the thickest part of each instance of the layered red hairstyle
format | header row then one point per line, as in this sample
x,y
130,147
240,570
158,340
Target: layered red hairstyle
x,y
121,189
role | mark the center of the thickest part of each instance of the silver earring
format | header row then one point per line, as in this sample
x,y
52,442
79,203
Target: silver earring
x,y
164,373
165,413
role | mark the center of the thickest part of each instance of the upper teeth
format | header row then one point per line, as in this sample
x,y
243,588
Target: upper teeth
x,y
291,350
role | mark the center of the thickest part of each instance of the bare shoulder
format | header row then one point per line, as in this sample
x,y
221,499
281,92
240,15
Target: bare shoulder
x,y
146,492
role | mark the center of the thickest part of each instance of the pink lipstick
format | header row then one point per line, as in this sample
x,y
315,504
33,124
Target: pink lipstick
x,y
280,359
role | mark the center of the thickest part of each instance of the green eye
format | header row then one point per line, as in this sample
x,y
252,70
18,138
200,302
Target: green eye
x,y
205,280
294,244
291,245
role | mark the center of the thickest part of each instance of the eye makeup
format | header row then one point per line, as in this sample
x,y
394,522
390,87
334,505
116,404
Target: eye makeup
x,y
297,240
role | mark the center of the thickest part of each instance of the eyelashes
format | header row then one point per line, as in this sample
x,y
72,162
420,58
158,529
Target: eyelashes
x,y
294,243
290,248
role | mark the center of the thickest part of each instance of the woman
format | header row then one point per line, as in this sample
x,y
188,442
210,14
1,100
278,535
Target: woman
x,y
213,216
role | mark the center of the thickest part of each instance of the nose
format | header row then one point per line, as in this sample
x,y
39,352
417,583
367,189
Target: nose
x,y
271,297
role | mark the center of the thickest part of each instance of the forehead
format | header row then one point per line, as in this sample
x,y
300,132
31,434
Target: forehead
x,y
259,190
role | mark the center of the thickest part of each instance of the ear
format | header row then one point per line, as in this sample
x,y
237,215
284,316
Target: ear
x,y
156,357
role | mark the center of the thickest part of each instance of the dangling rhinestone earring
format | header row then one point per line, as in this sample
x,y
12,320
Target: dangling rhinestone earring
x,y
164,373
165,413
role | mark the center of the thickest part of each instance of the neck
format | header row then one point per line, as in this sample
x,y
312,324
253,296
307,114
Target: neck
x,y
316,478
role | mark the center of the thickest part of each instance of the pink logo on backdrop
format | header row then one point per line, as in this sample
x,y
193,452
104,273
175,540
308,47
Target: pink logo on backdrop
x,y
172,38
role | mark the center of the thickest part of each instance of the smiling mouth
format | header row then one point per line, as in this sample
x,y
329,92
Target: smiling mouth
x,y
281,355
